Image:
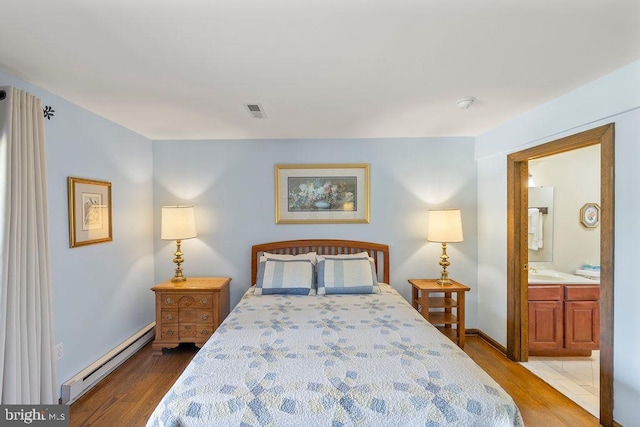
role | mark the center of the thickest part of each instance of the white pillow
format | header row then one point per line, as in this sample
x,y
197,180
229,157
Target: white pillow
x,y
310,255
290,276
347,275
344,256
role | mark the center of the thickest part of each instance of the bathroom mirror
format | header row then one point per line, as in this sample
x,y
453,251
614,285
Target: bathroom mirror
x,y
540,243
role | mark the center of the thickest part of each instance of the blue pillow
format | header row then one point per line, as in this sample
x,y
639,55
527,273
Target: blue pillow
x,y
346,275
288,277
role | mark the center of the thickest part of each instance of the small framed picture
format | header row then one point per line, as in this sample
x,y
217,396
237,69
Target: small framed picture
x,y
322,193
89,211
590,215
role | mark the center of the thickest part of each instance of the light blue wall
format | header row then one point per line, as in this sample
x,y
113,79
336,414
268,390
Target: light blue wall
x,y
231,184
101,292
614,98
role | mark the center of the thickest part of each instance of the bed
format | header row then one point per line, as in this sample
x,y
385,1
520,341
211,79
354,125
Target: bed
x,y
332,357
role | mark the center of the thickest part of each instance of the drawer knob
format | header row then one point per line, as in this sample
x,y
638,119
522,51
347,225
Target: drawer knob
x,y
169,332
169,301
204,332
168,317
204,317
204,301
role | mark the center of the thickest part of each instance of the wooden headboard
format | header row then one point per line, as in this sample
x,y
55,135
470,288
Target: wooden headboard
x,y
377,251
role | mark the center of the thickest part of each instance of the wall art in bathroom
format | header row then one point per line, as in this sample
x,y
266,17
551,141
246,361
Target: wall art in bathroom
x,y
590,215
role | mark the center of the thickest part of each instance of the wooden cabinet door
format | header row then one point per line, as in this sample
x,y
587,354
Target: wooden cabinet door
x,y
545,325
582,329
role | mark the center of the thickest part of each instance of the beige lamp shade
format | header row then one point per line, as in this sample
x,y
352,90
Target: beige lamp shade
x,y
445,226
178,223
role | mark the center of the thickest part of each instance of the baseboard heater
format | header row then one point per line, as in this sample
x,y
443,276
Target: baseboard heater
x,y
81,383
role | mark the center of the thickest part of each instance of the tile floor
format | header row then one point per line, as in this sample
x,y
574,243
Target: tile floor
x,y
576,377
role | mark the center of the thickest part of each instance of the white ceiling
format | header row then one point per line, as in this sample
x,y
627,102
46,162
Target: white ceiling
x,y
184,69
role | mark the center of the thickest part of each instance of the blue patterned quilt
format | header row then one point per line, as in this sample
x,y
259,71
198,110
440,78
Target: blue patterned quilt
x,y
339,360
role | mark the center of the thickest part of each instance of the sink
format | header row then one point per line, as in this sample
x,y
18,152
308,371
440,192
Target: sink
x,y
547,276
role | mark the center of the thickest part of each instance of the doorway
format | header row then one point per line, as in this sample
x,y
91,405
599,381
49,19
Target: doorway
x,y
517,278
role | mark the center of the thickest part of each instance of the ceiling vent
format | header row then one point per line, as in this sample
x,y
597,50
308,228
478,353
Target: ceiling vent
x,y
466,102
256,111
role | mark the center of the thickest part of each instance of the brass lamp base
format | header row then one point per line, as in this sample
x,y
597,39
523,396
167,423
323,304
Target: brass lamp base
x,y
178,279
444,263
444,281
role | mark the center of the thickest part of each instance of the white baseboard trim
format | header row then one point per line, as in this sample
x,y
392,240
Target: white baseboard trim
x,y
90,376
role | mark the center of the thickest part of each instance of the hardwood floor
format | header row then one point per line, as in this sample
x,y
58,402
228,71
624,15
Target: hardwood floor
x,y
539,403
130,393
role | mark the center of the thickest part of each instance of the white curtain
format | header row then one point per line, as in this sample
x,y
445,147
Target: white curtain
x,y
27,365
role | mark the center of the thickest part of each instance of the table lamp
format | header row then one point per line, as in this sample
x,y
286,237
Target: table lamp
x,y
445,226
178,223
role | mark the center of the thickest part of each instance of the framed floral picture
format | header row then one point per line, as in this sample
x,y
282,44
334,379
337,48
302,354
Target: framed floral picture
x,y
89,211
322,193
590,215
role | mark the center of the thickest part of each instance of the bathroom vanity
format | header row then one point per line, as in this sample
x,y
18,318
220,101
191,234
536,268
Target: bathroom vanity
x,y
564,314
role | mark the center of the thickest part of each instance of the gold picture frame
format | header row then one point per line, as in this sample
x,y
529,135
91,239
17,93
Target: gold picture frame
x,y
89,211
590,215
322,193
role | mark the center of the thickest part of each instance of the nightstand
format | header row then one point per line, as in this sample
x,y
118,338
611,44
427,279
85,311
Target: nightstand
x,y
189,313
443,319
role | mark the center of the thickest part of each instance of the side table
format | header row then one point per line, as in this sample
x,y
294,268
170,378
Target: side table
x,y
189,313
443,319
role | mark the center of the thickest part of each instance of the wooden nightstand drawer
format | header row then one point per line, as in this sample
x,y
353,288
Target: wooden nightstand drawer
x,y
169,300
189,313
205,301
187,330
169,316
204,332
204,316
196,300
168,332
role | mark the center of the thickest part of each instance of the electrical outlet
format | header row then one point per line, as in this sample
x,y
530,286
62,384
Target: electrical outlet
x,y
59,351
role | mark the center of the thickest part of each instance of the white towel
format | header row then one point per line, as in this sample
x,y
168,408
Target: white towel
x,y
534,229
540,231
534,214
